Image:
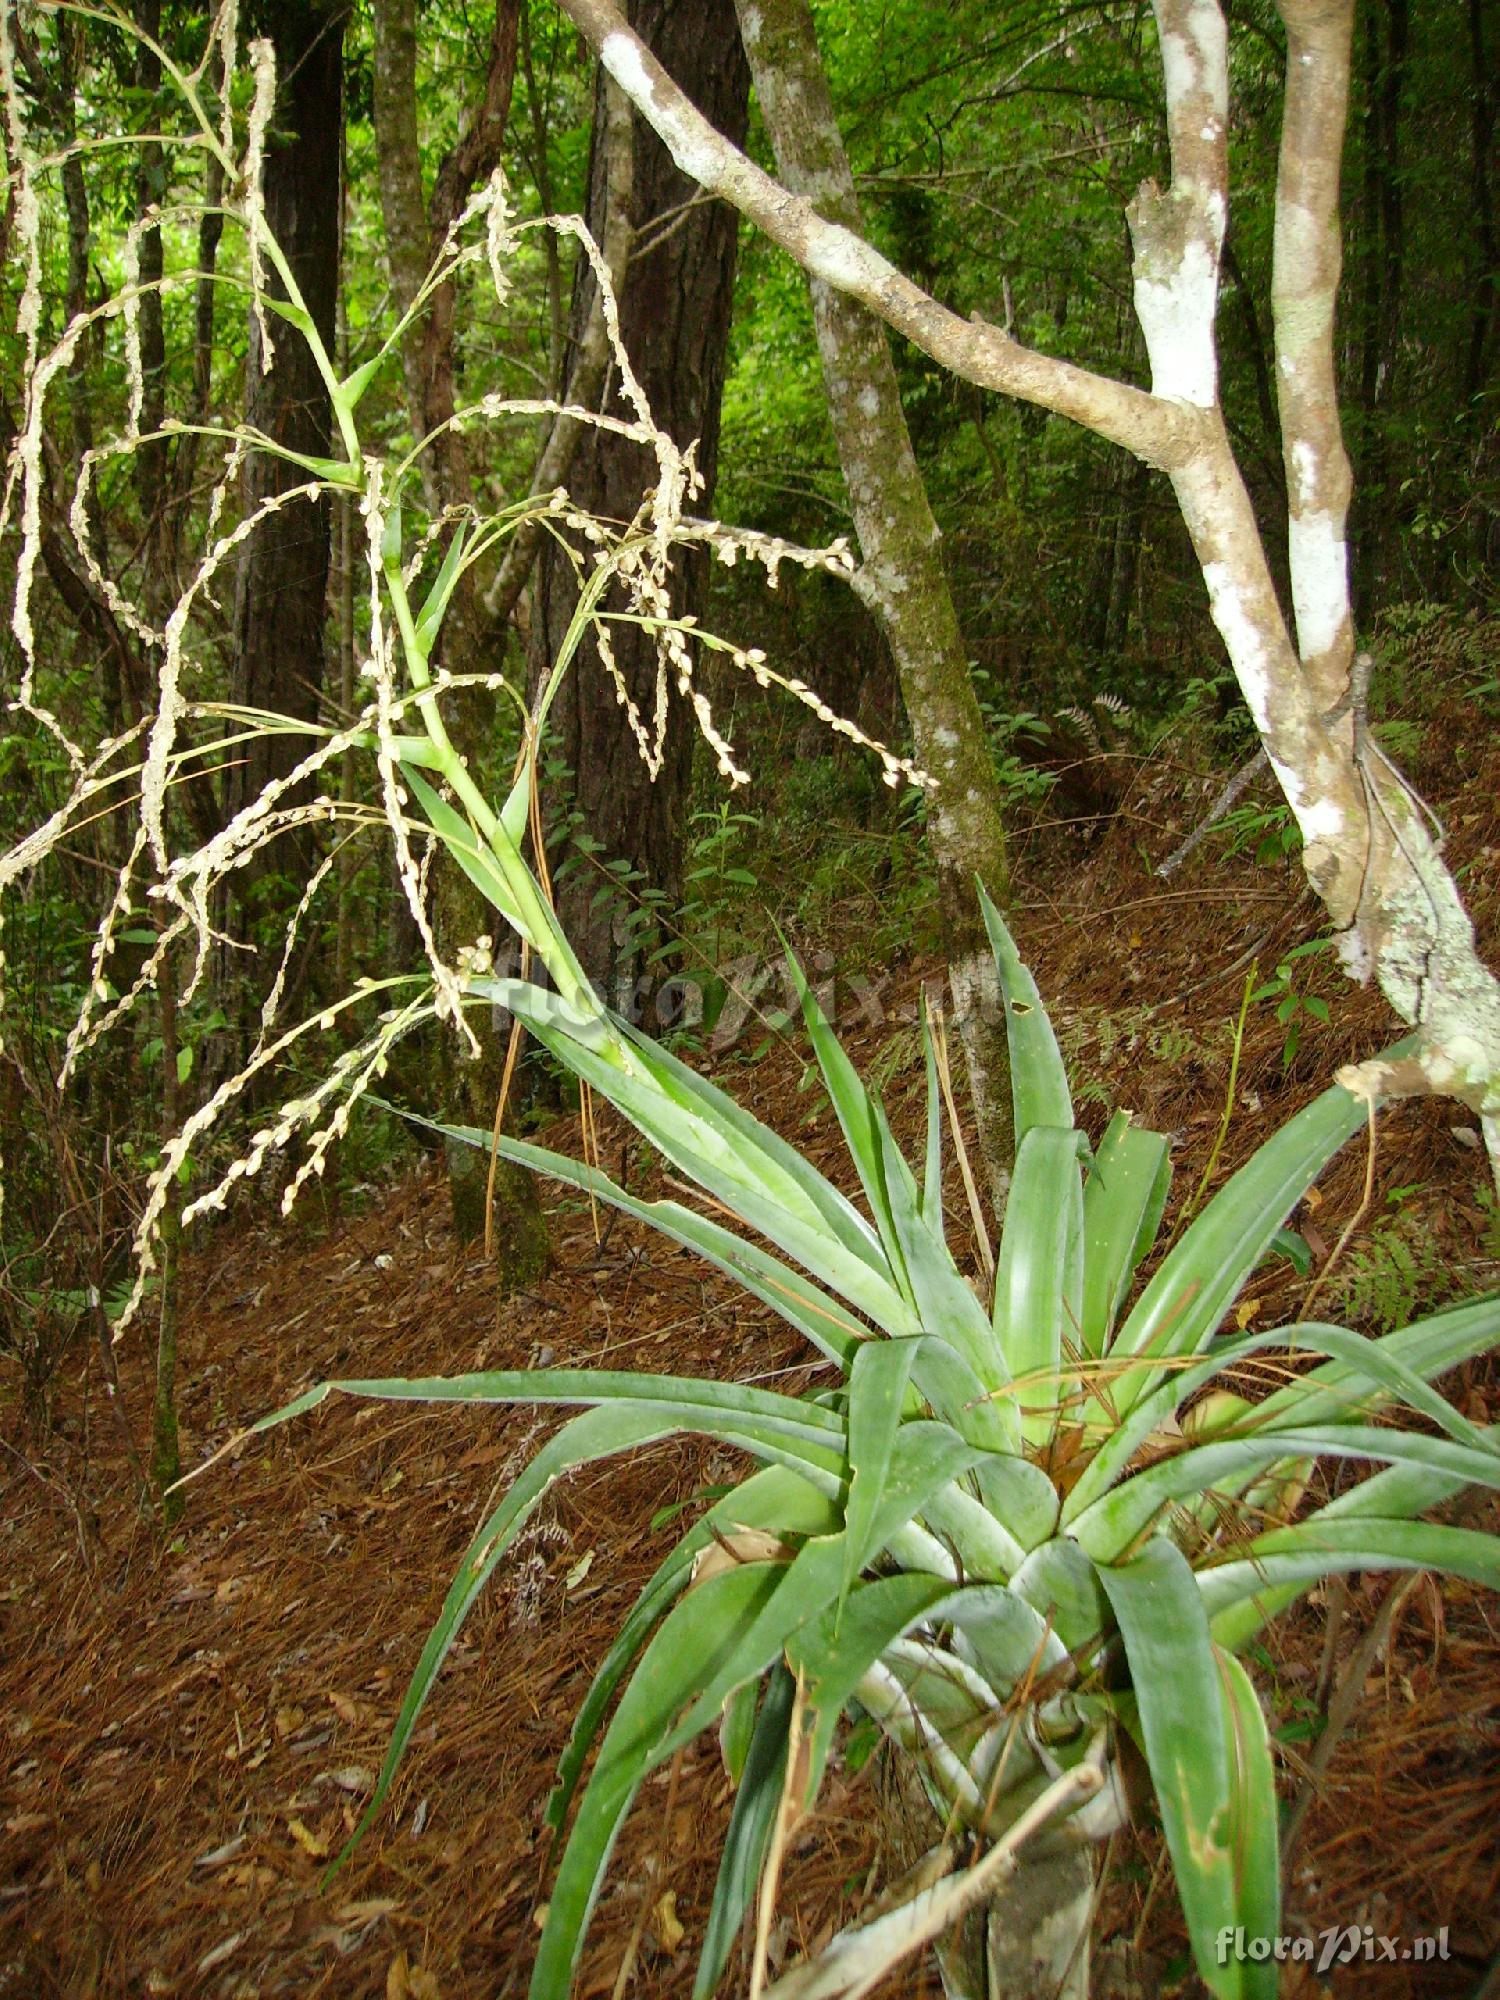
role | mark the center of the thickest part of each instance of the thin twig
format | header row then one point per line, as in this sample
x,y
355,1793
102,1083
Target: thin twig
x,y
787,1811
651,1886
1341,1708
971,1192
1228,796
1350,1226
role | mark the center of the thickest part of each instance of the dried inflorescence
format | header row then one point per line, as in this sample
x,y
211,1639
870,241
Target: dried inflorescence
x,y
624,573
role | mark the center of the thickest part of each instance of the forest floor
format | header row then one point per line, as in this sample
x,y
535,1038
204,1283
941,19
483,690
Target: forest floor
x,y
188,1724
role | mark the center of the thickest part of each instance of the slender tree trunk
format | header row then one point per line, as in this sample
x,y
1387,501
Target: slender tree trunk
x,y
1387,34
674,318
1484,285
902,578
281,597
591,357
119,679
1368,849
150,458
415,231
166,1455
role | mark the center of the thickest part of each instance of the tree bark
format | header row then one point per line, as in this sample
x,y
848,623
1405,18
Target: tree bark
x,y
674,320
415,232
591,356
150,464
282,586
902,579
1387,37
1368,850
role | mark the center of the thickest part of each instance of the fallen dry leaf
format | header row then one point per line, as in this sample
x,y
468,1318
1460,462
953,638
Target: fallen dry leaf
x,y
665,1922
343,1707
742,1545
365,1912
310,1842
355,1778
220,1952
217,1856
289,1720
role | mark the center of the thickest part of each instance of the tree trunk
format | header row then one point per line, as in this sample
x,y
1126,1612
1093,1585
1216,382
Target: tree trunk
x,y
415,231
1387,36
902,578
674,319
1368,850
166,1449
281,595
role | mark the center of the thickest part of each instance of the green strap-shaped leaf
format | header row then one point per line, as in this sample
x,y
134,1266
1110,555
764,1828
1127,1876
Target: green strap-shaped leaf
x,y
1018,1494
986,1549
1039,1276
1255,1855
952,1697
686,1654
429,619
861,1122
467,849
686,1401
925,1458
596,1434
703,1100
877,1394
831,1327
516,811
949,1312
1060,1582
655,1600
1392,1368
1038,1079
1426,1348
1179,1695
1182,1307
1113,1524
932,1165
1004,1637
739,1165
749,1834
1276,1568
1123,1201
775,1499
736,1727
836,1650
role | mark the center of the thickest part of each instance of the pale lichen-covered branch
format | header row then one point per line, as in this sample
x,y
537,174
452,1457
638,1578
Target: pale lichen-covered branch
x,y
979,352
1368,851
1304,291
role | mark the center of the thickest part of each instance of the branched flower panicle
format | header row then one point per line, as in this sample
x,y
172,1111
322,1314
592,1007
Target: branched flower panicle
x,y
225,39
379,668
625,572
263,68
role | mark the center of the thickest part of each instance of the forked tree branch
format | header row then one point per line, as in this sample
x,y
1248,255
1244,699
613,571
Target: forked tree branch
x,y
1367,850
973,349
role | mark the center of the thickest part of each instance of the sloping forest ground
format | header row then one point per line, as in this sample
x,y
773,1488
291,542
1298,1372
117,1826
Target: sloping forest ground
x,y
187,1727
